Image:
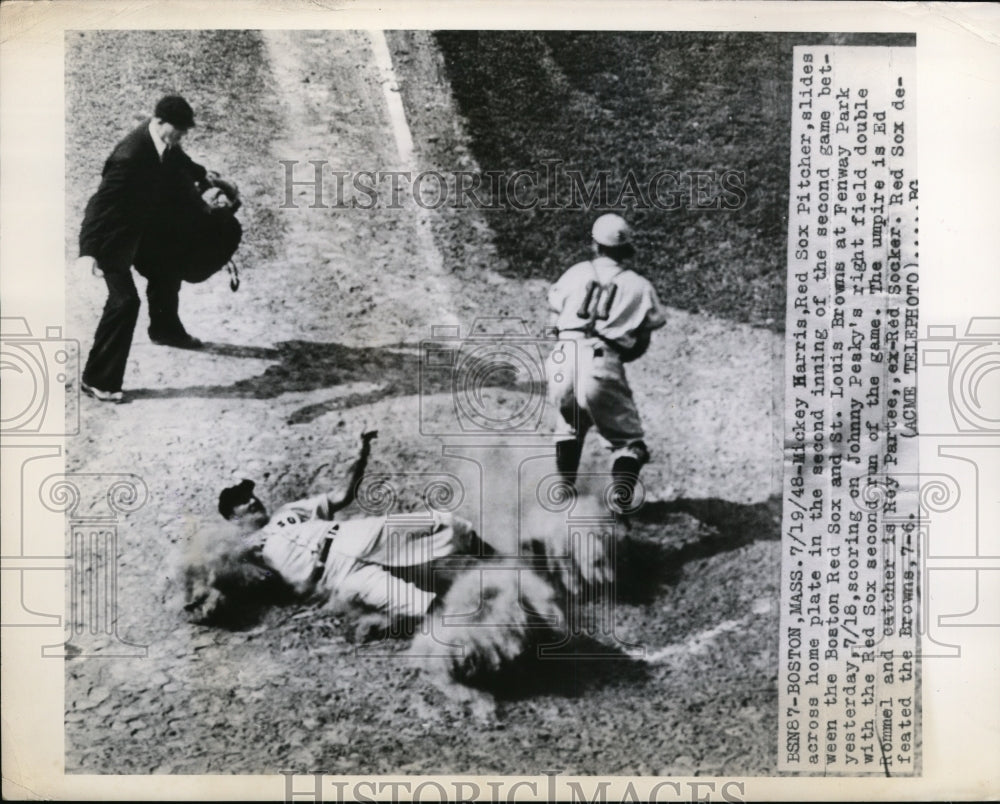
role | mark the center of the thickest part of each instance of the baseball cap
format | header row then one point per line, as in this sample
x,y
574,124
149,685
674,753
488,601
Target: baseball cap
x,y
611,230
175,110
232,496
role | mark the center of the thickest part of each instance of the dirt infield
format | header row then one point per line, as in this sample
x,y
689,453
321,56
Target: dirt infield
x,y
323,338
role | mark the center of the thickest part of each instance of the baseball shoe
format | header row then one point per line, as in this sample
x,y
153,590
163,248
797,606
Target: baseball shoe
x,y
177,340
115,397
624,477
568,459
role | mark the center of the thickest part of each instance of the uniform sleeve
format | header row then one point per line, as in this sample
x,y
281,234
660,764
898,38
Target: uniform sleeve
x,y
317,507
559,292
655,315
376,587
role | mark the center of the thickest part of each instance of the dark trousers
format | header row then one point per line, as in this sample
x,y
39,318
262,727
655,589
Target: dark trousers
x,y
163,296
105,367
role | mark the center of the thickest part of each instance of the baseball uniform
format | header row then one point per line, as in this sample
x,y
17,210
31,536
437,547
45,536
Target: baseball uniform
x,y
600,308
351,560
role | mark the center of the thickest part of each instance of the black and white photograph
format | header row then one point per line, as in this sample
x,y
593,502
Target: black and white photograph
x,y
480,400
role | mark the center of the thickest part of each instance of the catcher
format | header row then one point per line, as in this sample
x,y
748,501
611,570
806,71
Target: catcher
x,y
609,313
302,554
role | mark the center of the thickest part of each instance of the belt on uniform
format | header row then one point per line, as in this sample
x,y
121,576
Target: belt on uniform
x,y
324,554
579,334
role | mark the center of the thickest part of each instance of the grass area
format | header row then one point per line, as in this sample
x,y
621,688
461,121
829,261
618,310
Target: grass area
x,y
643,103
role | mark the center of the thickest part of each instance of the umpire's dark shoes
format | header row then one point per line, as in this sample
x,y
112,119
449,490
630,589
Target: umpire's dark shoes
x,y
179,340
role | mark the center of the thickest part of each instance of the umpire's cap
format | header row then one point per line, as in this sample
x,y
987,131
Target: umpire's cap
x,y
235,495
611,230
175,110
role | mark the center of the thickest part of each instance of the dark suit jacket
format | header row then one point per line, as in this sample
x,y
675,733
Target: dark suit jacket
x,y
138,196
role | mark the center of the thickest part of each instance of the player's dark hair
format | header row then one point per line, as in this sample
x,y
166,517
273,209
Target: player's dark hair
x,y
175,110
616,253
230,497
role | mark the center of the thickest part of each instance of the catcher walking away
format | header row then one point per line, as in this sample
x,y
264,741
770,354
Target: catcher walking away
x,y
603,314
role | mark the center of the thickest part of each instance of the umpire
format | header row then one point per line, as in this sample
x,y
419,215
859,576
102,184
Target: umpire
x,y
146,184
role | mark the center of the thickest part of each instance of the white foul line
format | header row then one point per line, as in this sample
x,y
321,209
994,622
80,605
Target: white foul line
x,y
695,644
699,643
393,98
404,147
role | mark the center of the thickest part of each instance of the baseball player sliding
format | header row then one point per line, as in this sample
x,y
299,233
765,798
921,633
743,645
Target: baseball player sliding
x,y
603,314
309,555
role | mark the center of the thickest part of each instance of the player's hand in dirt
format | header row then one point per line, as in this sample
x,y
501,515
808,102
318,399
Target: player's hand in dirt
x,y
368,436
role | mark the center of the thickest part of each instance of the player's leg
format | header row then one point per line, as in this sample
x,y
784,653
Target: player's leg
x,y
625,467
395,599
612,407
165,327
450,535
105,366
450,547
428,554
571,422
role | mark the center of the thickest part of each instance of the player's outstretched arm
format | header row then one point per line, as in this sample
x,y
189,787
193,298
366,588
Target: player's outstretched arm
x,y
342,498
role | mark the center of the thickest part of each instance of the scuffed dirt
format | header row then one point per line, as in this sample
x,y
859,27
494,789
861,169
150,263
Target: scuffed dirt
x,y
323,338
